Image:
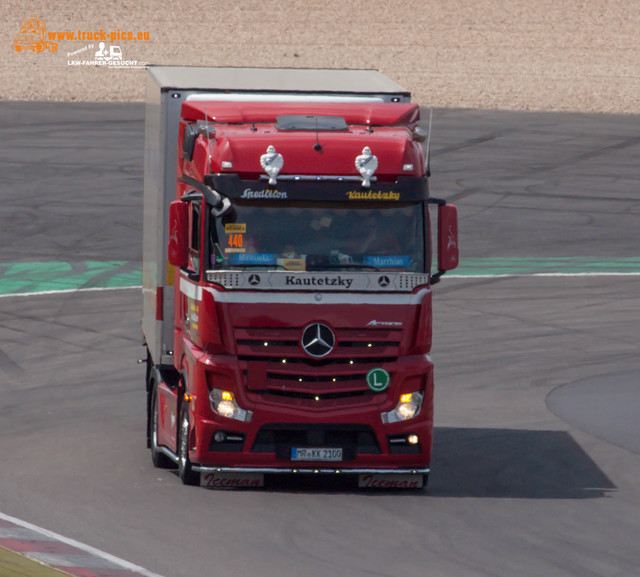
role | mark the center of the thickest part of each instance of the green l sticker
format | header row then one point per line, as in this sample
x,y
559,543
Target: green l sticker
x,y
378,380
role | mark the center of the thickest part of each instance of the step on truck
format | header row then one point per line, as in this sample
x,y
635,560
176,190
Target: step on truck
x,y
287,275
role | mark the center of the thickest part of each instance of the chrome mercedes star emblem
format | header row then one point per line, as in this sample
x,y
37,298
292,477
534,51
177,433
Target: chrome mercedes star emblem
x,y
318,340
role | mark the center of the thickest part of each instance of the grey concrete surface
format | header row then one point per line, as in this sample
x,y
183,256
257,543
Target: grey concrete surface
x,y
515,490
607,406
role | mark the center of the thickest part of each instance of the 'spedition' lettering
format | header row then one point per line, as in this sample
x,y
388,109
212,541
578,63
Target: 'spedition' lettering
x,y
266,194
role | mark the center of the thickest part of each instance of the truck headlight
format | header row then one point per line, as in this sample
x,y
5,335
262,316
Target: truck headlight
x,y
224,404
408,407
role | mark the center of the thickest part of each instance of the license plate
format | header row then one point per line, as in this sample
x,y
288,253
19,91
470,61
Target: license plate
x,y
315,454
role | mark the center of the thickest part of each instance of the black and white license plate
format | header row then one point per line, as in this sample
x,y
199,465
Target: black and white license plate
x,y
316,454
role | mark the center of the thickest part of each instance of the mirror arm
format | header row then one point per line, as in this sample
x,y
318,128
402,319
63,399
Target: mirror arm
x,y
435,277
215,199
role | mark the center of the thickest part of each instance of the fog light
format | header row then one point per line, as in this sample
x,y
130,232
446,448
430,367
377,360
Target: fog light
x,y
219,437
408,407
412,439
224,404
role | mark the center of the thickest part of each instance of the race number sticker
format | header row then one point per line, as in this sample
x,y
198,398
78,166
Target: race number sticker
x,y
235,238
235,228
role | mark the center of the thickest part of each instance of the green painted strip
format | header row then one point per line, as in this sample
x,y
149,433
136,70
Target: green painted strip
x,y
495,266
32,277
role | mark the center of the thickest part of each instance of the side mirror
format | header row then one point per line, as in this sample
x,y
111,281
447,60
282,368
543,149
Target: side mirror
x,y
448,254
178,247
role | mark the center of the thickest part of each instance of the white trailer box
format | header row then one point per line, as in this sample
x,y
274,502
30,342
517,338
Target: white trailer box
x,y
167,88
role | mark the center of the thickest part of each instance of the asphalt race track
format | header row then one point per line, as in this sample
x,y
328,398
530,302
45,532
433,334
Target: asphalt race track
x,y
537,452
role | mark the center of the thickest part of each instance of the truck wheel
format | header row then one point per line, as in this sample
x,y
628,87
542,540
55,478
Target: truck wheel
x,y
160,460
186,473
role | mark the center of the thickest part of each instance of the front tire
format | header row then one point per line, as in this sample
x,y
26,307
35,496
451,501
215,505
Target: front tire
x,y
185,470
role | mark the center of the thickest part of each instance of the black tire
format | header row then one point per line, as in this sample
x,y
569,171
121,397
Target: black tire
x,y
185,470
160,460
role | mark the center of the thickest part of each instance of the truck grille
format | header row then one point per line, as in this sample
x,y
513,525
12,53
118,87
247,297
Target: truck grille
x,y
273,361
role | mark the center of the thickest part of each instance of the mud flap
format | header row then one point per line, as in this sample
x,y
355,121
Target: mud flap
x,y
390,481
229,480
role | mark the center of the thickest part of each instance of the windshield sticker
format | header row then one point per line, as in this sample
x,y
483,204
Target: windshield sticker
x,y
235,227
298,264
371,195
266,194
388,261
236,240
253,259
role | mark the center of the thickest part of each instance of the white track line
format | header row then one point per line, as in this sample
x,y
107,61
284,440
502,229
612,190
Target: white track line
x,y
86,548
67,291
540,274
444,277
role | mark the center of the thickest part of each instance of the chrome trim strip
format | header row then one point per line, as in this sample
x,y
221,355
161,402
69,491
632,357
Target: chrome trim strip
x,y
321,281
192,290
318,298
296,471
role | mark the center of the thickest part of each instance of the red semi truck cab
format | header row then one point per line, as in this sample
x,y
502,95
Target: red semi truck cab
x,y
287,275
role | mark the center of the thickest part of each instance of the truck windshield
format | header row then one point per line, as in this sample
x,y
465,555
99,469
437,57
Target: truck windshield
x,y
307,236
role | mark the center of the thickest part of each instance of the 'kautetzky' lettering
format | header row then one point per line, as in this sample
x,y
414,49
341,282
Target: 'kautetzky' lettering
x,y
372,195
318,281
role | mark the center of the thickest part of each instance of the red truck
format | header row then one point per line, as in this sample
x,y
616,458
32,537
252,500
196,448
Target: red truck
x,y
287,275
